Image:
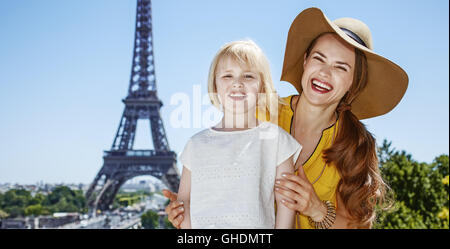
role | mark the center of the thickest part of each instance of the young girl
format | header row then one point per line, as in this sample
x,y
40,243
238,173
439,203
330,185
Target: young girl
x,y
229,170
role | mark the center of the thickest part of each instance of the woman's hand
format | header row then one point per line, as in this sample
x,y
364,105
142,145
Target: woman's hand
x,y
300,195
175,208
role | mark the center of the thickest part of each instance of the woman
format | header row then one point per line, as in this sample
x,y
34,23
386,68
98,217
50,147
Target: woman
x,y
340,80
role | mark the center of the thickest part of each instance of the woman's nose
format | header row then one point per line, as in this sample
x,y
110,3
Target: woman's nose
x,y
325,70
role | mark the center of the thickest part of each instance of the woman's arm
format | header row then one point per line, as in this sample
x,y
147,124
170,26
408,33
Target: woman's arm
x,y
184,195
285,217
301,197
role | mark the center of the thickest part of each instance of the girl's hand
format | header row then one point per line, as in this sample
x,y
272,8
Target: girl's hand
x,y
300,195
175,209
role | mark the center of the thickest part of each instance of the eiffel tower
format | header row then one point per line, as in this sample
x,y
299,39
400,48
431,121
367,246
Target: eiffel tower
x,y
122,163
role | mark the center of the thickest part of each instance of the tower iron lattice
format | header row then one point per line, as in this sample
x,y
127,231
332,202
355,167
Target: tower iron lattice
x,y
122,163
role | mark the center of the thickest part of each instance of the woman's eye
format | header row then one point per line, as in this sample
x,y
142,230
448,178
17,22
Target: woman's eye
x,y
342,69
318,58
227,76
249,76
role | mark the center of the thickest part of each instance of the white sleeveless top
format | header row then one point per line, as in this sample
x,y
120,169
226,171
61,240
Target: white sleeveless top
x,y
233,175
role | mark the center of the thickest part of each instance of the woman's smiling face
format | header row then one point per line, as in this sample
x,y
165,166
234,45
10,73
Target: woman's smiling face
x,y
328,71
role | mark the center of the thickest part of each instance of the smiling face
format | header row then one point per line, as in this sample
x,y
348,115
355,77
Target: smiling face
x,y
328,71
237,86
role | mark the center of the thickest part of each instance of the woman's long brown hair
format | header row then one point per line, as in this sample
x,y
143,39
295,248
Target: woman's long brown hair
x,y
353,152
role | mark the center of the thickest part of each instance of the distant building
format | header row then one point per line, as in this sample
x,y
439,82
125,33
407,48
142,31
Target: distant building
x,y
57,220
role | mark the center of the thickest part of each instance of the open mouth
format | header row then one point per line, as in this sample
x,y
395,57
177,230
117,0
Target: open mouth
x,y
321,86
237,96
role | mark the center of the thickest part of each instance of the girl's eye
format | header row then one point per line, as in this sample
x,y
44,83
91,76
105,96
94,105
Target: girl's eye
x,y
227,76
249,76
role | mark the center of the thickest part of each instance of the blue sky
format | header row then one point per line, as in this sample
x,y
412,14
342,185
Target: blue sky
x,y
65,66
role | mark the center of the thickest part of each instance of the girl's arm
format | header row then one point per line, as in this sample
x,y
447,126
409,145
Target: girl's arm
x,y
184,195
285,217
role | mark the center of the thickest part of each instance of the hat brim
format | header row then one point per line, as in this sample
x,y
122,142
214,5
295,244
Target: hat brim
x,y
386,83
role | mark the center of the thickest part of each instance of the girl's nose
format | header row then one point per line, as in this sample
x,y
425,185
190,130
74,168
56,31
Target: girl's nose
x,y
237,84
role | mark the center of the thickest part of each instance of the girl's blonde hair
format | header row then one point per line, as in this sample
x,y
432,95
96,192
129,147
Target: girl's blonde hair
x,y
246,52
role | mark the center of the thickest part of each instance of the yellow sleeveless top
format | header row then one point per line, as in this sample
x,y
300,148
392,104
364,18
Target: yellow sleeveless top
x,y
328,177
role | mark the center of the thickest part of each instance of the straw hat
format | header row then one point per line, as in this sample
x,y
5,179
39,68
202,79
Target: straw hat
x,y
386,81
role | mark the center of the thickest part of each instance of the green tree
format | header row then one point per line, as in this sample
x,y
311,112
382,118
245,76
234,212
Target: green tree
x,y
16,197
35,210
63,199
168,224
440,163
58,193
19,202
15,211
3,214
14,202
63,205
150,220
419,191
37,199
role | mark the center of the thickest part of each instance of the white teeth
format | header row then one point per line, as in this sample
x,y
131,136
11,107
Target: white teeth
x,y
238,95
321,85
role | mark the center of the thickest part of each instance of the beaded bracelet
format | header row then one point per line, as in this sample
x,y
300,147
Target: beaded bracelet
x,y
328,220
